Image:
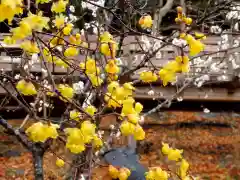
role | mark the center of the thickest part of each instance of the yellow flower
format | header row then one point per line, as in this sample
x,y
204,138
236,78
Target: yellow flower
x,y
128,88
146,21
156,174
60,162
112,77
175,154
75,140
8,9
59,6
36,21
179,9
123,175
138,107
75,148
51,131
111,67
183,63
56,41
42,1
67,29
76,40
30,47
112,86
90,110
200,36
188,21
59,21
160,174
95,80
121,93
128,106
66,91
71,51
9,40
26,88
109,48
148,76
22,31
40,132
165,149
183,169
112,101
167,76
91,67
106,37
195,46
139,133
88,128
58,62
36,132
133,118
75,115
31,22
127,128
97,142
150,175
113,172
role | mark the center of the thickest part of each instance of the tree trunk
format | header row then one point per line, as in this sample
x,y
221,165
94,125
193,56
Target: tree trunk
x,y
38,164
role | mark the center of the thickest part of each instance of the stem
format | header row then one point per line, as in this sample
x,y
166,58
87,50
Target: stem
x,y
38,163
90,162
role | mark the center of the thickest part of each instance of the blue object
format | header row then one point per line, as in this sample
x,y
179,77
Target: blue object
x,y
125,157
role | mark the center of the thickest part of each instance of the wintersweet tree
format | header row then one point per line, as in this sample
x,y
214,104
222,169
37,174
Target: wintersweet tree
x,y
105,83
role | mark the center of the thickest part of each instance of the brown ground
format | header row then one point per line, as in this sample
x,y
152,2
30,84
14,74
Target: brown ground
x,y
213,149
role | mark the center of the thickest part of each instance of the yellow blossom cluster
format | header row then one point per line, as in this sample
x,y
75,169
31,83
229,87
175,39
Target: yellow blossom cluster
x,y
121,174
176,155
156,173
39,132
145,21
92,70
168,72
10,8
182,17
117,93
108,46
181,64
173,155
26,88
78,137
121,96
27,25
